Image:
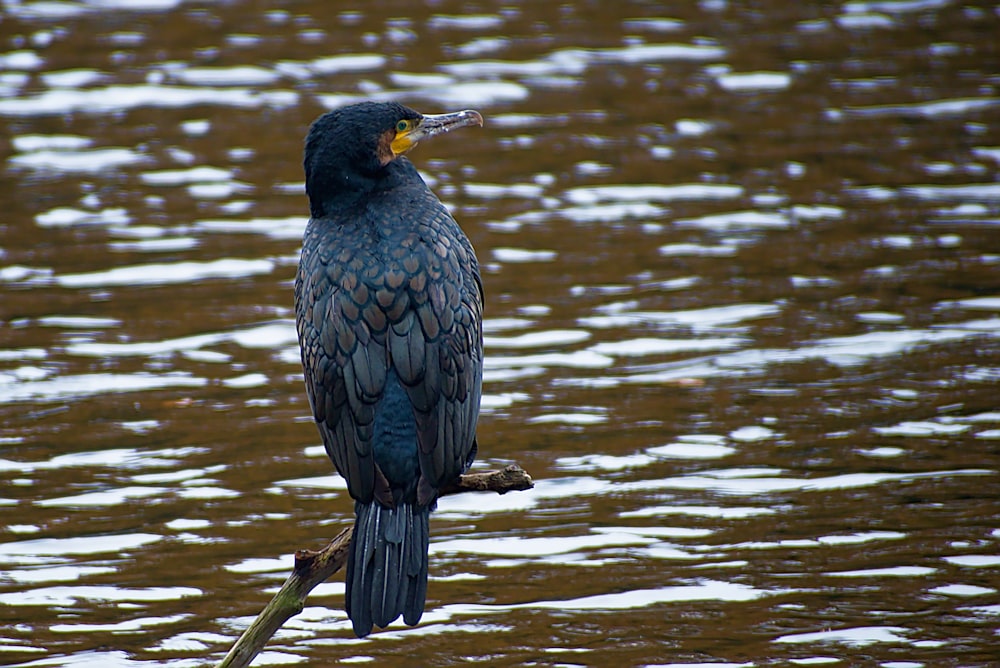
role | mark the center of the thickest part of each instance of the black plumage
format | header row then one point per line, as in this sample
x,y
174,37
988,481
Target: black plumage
x,y
388,306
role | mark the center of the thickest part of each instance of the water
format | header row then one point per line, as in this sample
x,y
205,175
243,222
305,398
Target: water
x,y
743,328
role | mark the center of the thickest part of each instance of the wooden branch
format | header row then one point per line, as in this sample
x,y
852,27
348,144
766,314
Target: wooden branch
x,y
313,567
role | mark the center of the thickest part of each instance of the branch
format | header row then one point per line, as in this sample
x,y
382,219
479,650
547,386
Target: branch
x,y
313,567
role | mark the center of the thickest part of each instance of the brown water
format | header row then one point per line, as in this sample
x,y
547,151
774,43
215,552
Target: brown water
x,y
742,267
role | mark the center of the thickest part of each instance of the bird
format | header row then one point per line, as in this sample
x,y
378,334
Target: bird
x,y
388,310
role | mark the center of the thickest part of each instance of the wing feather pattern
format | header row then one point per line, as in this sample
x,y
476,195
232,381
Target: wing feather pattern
x,y
399,291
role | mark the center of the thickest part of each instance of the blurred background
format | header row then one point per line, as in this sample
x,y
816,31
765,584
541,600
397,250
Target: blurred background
x,y
742,268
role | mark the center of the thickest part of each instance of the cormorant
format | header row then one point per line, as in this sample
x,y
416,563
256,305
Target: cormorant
x,y
388,307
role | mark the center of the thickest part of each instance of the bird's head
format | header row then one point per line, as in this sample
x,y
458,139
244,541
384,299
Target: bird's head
x,y
348,149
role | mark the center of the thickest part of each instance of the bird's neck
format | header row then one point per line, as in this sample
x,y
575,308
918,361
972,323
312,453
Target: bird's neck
x,y
346,190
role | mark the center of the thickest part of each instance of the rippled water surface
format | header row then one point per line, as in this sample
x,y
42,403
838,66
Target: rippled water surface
x,y
742,264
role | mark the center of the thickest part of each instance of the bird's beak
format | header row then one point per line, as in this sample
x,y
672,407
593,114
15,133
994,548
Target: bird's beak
x,y
435,124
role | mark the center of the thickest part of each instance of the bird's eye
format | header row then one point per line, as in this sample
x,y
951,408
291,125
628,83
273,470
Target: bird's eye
x,y
402,126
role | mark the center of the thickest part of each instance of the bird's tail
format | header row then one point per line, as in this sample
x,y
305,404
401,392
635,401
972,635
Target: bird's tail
x,y
387,565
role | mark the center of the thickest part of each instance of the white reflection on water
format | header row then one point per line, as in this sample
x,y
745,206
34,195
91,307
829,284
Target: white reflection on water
x,y
652,193
77,322
843,351
659,346
752,434
698,590
182,524
465,22
711,664
477,93
118,458
537,339
972,192
815,212
656,532
67,10
67,217
882,452
275,228
208,492
467,506
89,161
191,642
317,482
283,564
738,219
23,528
568,418
721,512
30,143
961,590
702,319
495,191
517,255
580,359
689,446
54,573
167,273
976,303
503,324
246,380
820,541
401,632
726,248
754,81
691,450
573,61
275,334
990,612
595,213
19,273
757,481
690,127
890,571
129,625
931,109
242,75
704,590
921,428
65,387
122,97
492,402
854,637
975,560
506,375
71,595
22,354
111,497
603,462
140,426
200,174
538,547
106,659
47,550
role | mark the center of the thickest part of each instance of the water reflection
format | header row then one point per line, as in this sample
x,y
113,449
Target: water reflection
x,y
742,318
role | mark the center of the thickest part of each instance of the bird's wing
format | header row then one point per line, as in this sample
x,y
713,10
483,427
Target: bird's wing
x,y
419,308
436,346
344,366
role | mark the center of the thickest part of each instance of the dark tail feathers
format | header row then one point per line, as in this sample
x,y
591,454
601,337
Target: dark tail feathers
x,y
387,565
